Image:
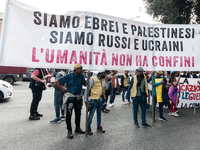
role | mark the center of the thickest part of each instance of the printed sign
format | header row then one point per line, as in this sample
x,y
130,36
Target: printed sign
x,y
32,38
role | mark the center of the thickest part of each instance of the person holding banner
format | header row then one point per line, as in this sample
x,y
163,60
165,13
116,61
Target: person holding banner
x,y
158,82
72,98
114,87
138,91
58,98
173,91
37,85
125,81
97,88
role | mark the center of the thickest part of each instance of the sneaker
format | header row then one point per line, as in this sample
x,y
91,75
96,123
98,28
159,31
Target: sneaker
x,y
62,118
175,114
170,113
89,131
113,104
177,110
145,125
38,115
124,103
137,125
110,105
56,120
34,118
100,129
162,119
129,103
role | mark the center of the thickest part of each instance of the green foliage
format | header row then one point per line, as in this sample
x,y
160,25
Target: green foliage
x,y
174,11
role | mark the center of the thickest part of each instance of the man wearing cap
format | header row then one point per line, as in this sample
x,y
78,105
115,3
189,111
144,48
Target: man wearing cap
x,y
156,84
97,88
72,97
138,90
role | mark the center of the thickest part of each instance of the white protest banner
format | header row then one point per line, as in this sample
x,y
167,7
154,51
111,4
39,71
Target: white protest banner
x,y
32,38
189,93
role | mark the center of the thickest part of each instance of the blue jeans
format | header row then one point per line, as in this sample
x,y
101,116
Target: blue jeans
x,y
95,105
58,101
138,100
123,93
112,95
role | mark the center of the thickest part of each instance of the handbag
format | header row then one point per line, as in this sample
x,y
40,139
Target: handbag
x,y
40,84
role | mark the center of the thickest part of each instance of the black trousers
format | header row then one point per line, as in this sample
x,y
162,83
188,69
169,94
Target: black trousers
x,y
77,106
37,96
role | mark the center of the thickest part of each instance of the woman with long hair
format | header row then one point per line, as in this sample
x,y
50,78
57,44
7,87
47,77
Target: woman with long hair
x,y
173,91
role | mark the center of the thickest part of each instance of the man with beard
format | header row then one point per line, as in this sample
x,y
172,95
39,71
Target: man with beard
x,y
72,98
97,88
138,90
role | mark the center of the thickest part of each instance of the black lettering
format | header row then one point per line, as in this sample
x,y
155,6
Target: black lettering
x,y
136,44
61,37
133,28
151,47
89,38
139,31
37,16
144,32
124,39
156,33
75,22
163,32
79,39
144,45
111,26
109,41
117,44
101,39
164,47
150,31
95,23
45,19
175,46
157,45
124,28
53,35
53,21
104,23
174,33
64,22
181,32
87,21
187,30
68,38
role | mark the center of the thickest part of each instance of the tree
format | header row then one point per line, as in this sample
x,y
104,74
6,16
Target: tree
x,y
174,11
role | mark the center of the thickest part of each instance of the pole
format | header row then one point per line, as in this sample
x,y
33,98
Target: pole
x,y
86,119
177,91
152,100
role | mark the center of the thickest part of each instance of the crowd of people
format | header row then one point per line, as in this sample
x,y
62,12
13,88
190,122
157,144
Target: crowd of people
x,y
68,94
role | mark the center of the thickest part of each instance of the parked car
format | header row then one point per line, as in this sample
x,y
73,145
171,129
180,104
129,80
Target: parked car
x,y
6,90
27,76
10,78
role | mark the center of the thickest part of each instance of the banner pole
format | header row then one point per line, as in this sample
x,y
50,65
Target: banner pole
x,y
86,118
177,91
196,99
152,100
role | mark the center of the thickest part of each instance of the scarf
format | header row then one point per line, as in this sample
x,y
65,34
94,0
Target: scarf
x,y
140,79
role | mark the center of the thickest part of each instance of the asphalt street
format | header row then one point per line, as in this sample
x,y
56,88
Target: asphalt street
x,y
18,133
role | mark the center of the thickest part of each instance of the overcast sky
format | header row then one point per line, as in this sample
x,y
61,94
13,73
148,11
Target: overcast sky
x,y
124,9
